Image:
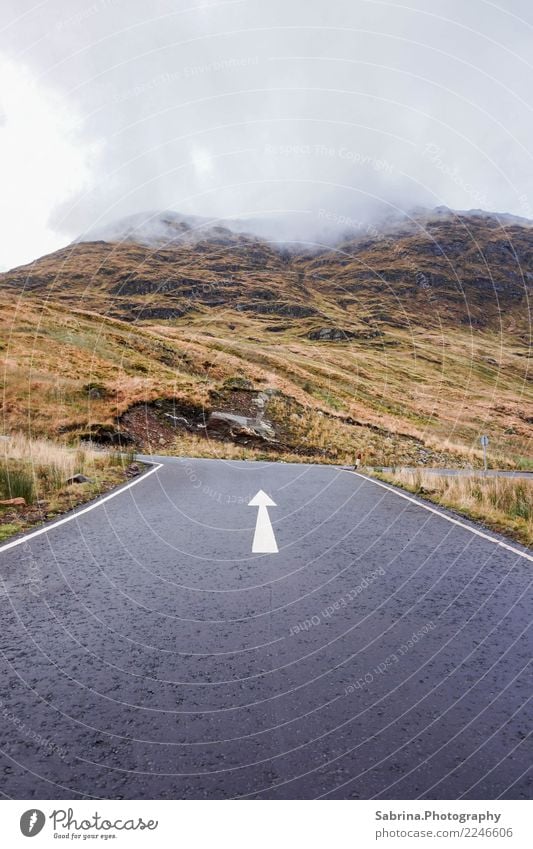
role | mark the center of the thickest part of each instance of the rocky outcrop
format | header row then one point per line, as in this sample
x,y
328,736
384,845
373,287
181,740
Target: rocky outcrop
x,y
106,434
330,334
337,334
241,429
276,308
161,422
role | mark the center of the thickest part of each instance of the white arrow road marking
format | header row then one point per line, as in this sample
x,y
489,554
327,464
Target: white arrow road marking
x,y
264,539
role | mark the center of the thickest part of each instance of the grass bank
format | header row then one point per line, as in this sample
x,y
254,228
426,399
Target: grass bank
x,y
35,474
503,504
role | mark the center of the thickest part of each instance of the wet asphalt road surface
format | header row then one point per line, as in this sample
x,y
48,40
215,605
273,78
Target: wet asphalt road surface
x,y
147,653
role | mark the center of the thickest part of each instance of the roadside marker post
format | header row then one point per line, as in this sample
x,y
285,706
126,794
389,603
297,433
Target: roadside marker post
x,y
484,441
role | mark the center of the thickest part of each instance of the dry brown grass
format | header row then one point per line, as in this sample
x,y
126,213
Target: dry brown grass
x,y
502,503
51,354
43,453
39,468
189,445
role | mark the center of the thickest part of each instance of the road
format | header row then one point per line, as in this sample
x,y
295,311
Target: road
x,y
381,653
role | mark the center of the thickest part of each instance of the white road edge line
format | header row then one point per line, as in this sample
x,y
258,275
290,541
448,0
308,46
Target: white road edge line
x,y
92,506
444,516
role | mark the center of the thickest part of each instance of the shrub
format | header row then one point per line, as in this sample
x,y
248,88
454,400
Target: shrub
x,y
51,477
121,458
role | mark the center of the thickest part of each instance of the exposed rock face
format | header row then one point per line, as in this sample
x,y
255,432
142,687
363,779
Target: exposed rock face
x,y
161,422
337,334
107,435
239,428
331,334
293,310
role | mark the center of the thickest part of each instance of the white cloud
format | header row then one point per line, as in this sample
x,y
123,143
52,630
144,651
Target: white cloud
x,y
43,162
202,161
242,108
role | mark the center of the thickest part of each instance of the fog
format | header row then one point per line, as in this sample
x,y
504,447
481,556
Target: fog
x,y
304,110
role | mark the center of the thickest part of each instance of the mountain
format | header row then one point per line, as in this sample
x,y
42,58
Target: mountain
x,y
458,268
407,340
162,229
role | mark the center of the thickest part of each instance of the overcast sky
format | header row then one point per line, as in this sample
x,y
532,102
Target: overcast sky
x,y
303,108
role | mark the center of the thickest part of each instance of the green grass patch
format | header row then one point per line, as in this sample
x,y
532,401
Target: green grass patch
x,y
17,481
8,530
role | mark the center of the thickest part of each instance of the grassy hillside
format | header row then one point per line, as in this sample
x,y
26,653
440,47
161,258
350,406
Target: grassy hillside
x,y
405,347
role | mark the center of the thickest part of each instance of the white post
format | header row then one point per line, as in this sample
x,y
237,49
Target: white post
x,y
484,441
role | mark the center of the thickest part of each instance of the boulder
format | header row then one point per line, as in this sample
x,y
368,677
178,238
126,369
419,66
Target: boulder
x,y
78,478
234,426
